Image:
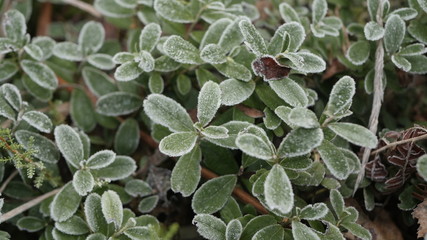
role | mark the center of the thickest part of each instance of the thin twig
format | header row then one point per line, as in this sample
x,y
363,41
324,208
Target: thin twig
x,y
84,6
44,19
378,96
393,144
24,207
6,182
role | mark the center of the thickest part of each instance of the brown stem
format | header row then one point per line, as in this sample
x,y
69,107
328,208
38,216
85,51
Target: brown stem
x,y
44,19
393,144
6,182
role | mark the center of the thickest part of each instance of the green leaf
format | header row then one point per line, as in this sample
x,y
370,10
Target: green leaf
x,y
183,84
231,36
111,8
118,103
141,233
299,142
290,91
186,173
413,50
232,69
46,44
234,91
123,57
100,159
137,187
395,29
14,25
126,140
40,74
96,236
213,54
230,211
93,214
271,120
209,101
401,63
422,166
334,160
310,63
91,37
406,13
373,9
112,208
146,61
341,95
178,144
213,195
255,224
34,51
69,143
68,51
83,182
423,5
280,198
255,146
174,11
38,120
65,203
98,82
358,230
296,35
214,32
101,61
181,50
273,232
147,204
355,134
156,83
288,13
418,31
418,64
358,52
314,212
12,95
30,224
252,38
233,230
302,232
122,167
7,70
303,117
167,112
5,110
149,37
210,227
73,226
128,71
46,149
320,8
81,110
233,127
215,132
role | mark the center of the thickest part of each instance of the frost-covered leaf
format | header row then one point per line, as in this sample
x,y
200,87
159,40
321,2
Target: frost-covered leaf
x,y
122,167
231,36
14,25
272,232
213,194
234,230
40,74
423,5
147,204
141,233
301,232
46,149
128,71
112,208
111,8
235,70
83,182
181,50
299,142
283,113
38,120
93,213
413,50
7,70
288,13
166,64
296,34
146,61
215,132
334,160
210,227
73,226
8,45
34,51
101,61
214,32
127,3
98,82
96,236
122,57
118,103
255,146
65,203
6,110
417,30
81,110
358,231
418,64
174,10
406,13
234,91
178,144
233,127
149,37
303,117
373,31
30,224
278,190
401,63
12,95
310,63
290,91
252,38
255,224
137,187
156,83
126,140
314,212
395,29
341,95
91,37
319,8
183,83
213,54
271,120
422,166
100,159
69,143
167,112
46,44
68,51
355,134
186,173
209,101
337,202
358,52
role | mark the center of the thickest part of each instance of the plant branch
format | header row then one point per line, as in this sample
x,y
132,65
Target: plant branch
x,y
6,182
393,144
84,6
24,207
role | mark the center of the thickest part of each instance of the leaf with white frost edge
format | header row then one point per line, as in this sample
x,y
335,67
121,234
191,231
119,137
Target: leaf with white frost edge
x,y
6,110
301,232
422,166
232,69
181,50
213,194
283,113
319,8
296,33
178,144
101,61
288,13
231,36
413,50
137,187
122,57
156,83
311,63
14,25
355,134
278,190
46,44
290,91
65,203
272,232
358,52
34,51
215,132
234,91
252,38
234,230
93,213
314,211
70,145
270,119
209,101
167,112
334,160
118,103
174,10
254,146
214,32
7,70
122,167
395,29
303,117
401,63
341,95
373,31
299,142
98,82
112,208
40,74
83,182
100,159
12,95
73,226
128,71
210,227
146,61
46,150
38,120
234,128
213,54
149,37
91,37
68,51
186,174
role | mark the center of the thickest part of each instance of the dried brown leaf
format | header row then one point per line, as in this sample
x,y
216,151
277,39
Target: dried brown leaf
x,y
420,213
